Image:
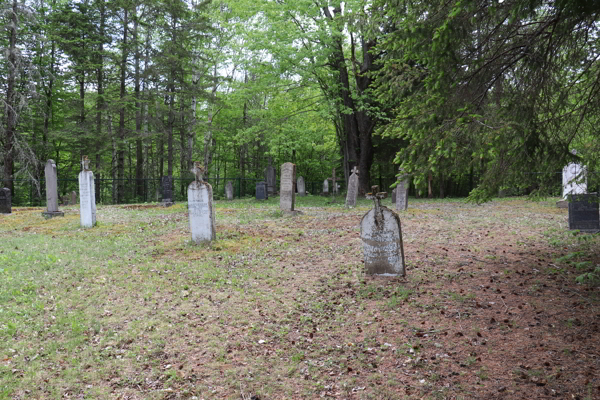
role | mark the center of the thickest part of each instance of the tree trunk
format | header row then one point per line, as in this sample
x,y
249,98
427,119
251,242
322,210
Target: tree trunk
x,y
9,110
139,154
121,143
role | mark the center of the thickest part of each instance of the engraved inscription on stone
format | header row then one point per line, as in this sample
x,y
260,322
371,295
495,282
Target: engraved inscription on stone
x,y
287,191
201,212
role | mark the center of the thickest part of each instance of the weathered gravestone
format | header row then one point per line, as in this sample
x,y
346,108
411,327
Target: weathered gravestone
x,y
574,181
334,184
200,208
167,191
5,201
381,234
301,186
270,178
51,191
287,191
229,190
584,213
402,193
325,187
394,196
261,191
87,195
352,188
73,197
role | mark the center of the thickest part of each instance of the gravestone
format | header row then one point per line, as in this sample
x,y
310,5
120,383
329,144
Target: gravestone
x,y
87,195
73,197
584,213
261,191
301,186
270,178
574,181
167,191
325,187
5,201
334,184
229,190
200,208
402,193
381,234
51,191
394,196
287,191
352,188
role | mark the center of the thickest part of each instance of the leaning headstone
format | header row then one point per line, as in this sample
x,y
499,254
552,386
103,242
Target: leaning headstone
x,y
261,191
5,201
87,195
402,193
352,188
167,191
584,214
325,187
200,208
229,190
270,178
574,181
301,186
51,191
73,197
381,234
287,191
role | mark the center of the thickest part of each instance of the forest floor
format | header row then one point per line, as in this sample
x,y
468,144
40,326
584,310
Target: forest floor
x,y
281,308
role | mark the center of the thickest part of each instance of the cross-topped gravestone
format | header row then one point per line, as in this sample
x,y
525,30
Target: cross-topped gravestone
x,y
402,192
5,201
381,234
51,191
334,180
301,187
200,207
167,191
352,193
287,191
87,195
229,190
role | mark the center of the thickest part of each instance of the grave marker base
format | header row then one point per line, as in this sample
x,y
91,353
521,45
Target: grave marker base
x,y
52,214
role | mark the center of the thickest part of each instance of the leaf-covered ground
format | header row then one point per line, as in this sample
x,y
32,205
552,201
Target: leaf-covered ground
x,y
280,307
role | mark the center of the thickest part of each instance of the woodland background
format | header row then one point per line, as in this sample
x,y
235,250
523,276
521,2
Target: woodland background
x,y
468,96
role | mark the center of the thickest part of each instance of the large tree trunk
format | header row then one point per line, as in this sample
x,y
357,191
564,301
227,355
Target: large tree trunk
x,y
10,107
121,144
100,97
139,156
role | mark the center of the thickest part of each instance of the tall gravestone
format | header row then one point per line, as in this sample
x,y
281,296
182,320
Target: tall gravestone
x,y
167,191
229,190
5,201
87,195
261,191
352,193
584,213
287,191
200,208
402,193
51,191
301,186
325,187
381,234
394,191
271,179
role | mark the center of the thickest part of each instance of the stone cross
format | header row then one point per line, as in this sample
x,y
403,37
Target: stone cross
x,y
376,196
198,171
87,196
334,180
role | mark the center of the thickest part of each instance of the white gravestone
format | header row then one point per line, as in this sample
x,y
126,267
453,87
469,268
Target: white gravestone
x,y
51,191
301,186
229,190
325,187
402,193
574,179
87,195
200,208
352,188
381,234
287,192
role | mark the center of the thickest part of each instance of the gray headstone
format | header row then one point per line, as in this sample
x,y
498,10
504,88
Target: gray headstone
x,y
51,191
301,186
271,179
352,188
325,187
5,201
201,212
229,190
261,191
394,196
402,193
584,212
381,234
87,196
167,190
287,190
73,197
